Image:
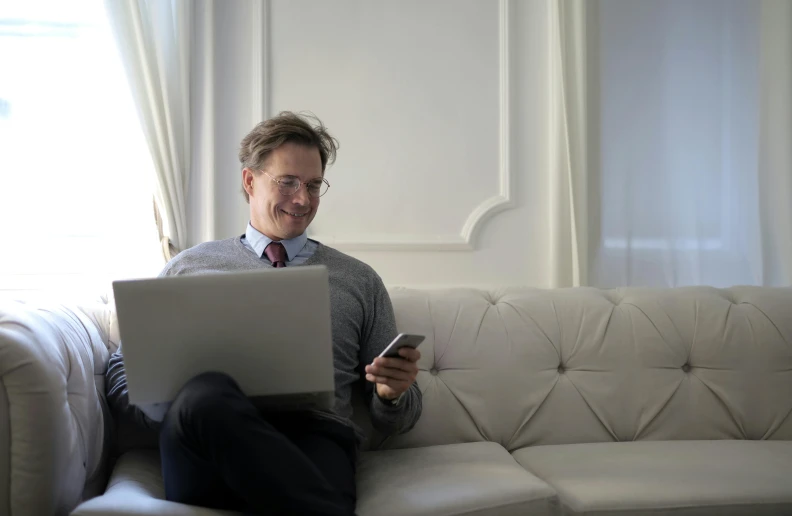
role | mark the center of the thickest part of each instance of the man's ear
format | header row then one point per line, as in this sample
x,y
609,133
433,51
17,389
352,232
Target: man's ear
x,y
247,180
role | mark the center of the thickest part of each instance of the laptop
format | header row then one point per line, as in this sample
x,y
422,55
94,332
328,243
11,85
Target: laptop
x,y
267,329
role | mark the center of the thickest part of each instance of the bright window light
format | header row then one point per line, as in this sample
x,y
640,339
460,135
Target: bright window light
x,y
76,177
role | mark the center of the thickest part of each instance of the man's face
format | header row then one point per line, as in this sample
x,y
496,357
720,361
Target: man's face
x,y
282,217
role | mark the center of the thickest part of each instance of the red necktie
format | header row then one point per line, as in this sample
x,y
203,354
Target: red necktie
x,y
276,254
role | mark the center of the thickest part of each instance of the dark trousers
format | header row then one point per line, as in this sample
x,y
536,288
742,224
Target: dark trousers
x,y
219,451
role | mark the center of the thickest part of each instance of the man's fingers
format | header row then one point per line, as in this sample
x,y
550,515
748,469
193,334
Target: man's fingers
x,y
396,385
390,372
411,354
396,363
395,373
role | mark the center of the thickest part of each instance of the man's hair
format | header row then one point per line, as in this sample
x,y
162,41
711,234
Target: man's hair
x,y
304,129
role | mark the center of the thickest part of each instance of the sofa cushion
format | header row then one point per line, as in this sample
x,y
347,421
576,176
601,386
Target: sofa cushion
x,y
470,478
667,477
527,367
135,489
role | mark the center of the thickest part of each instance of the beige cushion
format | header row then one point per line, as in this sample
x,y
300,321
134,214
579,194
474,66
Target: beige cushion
x,y
681,478
516,366
135,489
471,479
528,366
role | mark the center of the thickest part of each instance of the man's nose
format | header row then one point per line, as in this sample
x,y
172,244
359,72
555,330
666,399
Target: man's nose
x,y
301,196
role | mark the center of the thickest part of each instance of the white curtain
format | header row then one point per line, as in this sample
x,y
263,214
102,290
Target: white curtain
x,y
775,142
676,125
153,37
569,226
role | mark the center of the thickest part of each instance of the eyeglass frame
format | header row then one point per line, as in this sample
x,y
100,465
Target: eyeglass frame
x,y
278,181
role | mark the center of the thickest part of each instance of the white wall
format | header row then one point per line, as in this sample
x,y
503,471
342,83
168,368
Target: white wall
x,y
441,111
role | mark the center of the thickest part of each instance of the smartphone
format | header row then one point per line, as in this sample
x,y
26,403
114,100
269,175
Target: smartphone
x,y
402,340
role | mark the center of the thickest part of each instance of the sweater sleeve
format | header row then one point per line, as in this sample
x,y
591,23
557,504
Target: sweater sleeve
x,y
381,330
135,429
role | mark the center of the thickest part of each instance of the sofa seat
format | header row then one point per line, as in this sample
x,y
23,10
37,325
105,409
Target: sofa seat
x,y
678,478
135,489
471,479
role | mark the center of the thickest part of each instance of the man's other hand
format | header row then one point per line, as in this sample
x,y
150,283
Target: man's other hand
x,y
393,376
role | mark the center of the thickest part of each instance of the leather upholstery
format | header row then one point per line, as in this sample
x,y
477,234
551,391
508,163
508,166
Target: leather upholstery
x,y
470,478
52,420
524,367
683,478
474,479
517,370
135,489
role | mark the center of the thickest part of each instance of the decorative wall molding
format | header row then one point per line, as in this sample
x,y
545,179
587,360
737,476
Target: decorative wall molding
x,y
466,239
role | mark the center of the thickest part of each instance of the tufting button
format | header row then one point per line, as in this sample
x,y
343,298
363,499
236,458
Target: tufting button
x,y
433,371
561,369
686,368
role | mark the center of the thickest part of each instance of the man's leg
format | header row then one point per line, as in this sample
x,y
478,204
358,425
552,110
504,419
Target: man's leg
x,y
212,427
330,445
190,478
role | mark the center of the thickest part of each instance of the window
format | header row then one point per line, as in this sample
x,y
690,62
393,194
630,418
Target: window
x,y
676,100
76,178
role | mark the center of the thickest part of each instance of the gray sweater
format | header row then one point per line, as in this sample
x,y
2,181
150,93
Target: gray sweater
x,y
362,326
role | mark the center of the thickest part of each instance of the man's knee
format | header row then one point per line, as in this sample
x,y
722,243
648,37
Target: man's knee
x,y
210,382
202,402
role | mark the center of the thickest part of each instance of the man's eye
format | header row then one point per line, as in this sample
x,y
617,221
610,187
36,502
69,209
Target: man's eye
x,y
291,182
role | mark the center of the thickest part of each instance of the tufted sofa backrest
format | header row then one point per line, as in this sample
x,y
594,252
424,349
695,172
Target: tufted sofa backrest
x,y
530,367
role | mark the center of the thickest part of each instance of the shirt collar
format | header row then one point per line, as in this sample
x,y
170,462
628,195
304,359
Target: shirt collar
x,y
259,241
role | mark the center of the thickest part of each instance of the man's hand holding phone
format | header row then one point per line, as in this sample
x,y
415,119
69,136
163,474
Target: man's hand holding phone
x,y
395,370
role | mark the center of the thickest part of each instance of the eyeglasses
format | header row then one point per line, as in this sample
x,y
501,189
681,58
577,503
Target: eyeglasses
x,y
288,185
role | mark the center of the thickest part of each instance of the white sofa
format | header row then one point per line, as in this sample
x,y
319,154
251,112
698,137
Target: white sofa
x,y
569,401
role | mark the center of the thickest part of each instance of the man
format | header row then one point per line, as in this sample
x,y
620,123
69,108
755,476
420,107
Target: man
x,y
217,449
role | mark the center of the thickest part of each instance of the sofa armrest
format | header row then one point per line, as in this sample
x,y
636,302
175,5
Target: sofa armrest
x,y
52,418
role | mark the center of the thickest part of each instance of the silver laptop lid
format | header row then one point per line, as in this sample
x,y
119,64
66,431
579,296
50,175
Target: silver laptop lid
x,y
268,329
